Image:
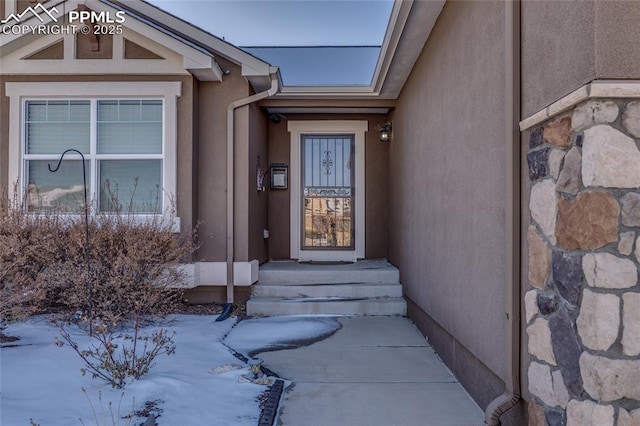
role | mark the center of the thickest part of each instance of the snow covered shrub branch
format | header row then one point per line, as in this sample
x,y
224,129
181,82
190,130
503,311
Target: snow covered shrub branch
x,y
116,357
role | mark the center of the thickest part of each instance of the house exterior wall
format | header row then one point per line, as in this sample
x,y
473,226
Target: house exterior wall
x,y
576,42
213,100
241,185
250,205
617,51
447,194
258,200
376,184
557,38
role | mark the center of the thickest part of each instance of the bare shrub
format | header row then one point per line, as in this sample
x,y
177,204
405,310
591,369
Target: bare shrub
x,y
116,357
29,244
134,268
109,417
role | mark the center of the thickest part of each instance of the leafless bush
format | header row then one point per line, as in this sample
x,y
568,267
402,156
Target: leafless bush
x,y
115,357
108,417
134,269
29,244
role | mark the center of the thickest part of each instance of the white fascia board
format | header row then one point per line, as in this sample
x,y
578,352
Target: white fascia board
x,y
208,70
397,21
411,30
288,92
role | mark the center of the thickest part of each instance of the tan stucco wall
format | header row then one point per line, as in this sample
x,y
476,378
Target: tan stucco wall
x,y
55,51
447,181
22,5
84,47
250,215
184,198
616,35
258,246
575,42
376,183
278,204
557,40
213,99
240,184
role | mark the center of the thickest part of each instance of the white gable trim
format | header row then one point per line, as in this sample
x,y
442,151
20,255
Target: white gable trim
x,y
194,60
15,62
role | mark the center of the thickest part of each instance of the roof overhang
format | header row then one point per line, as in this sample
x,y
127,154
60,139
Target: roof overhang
x,y
328,110
284,106
198,48
410,25
257,72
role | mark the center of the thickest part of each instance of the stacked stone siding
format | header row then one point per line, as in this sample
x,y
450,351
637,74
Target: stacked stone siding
x,y
583,306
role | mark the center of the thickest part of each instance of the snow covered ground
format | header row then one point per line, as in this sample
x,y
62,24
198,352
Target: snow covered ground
x,y
43,382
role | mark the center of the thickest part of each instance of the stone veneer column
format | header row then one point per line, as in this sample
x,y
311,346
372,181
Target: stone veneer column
x,y
583,307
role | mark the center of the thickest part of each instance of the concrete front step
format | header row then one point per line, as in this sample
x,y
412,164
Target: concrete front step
x,y
367,287
369,271
355,290
329,305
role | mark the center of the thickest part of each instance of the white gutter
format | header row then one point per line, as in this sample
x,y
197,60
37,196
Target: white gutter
x,y
230,172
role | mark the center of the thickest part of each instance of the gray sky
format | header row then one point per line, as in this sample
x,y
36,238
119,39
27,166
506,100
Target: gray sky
x,y
287,22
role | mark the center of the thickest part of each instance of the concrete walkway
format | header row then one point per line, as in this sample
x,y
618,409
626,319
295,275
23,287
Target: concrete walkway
x,y
373,371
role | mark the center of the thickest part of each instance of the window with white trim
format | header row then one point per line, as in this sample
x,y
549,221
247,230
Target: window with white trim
x,y
131,127
123,145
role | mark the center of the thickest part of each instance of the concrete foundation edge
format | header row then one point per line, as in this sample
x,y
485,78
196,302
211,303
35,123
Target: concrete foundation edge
x,y
481,383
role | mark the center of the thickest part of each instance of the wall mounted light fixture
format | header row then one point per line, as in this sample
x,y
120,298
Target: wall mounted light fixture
x,y
386,131
276,118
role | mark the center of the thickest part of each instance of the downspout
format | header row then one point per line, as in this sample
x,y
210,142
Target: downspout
x,y
511,396
230,184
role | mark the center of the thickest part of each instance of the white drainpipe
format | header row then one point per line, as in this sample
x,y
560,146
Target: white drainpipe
x,y
230,171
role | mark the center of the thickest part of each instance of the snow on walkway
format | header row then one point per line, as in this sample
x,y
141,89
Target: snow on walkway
x,y
41,381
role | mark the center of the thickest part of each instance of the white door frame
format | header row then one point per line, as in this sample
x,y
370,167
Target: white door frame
x,y
297,129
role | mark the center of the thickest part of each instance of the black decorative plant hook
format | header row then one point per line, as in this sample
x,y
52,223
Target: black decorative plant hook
x,y
87,251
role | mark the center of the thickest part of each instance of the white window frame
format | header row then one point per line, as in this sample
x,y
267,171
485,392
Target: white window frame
x,y
167,91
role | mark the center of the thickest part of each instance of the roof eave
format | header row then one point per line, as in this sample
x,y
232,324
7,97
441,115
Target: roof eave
x,y
410,25
255,70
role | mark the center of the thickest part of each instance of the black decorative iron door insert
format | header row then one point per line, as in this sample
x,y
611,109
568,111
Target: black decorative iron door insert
x,y
328,192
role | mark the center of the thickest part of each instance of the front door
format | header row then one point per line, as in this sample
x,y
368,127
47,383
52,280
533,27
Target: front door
x,y
327,192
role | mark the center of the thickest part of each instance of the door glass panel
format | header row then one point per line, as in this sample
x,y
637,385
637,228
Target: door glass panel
x,y
328,192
